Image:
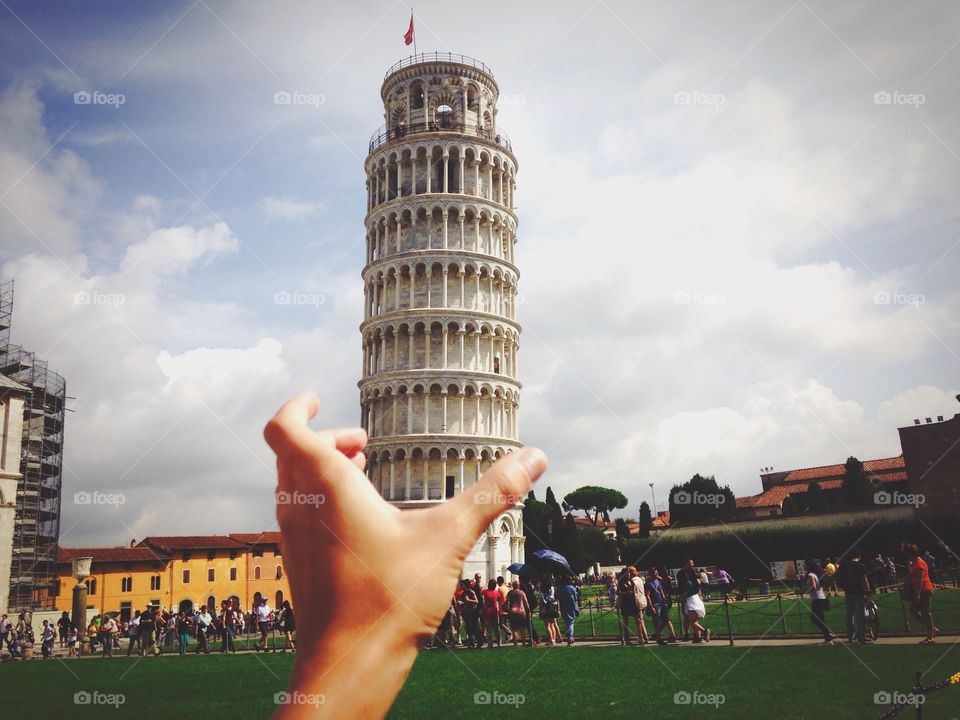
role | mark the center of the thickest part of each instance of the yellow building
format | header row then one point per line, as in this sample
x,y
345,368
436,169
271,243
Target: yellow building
x,y
180,572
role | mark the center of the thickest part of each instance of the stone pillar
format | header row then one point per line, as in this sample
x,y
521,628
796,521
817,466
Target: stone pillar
x,y
446,172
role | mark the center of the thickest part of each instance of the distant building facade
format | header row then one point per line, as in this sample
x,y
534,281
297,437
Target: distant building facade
x,y
12,395
931,451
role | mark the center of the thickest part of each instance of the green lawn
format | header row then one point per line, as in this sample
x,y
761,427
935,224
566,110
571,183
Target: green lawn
x,y
786,682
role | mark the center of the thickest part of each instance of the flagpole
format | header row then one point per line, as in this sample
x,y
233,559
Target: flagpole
x,y
414,33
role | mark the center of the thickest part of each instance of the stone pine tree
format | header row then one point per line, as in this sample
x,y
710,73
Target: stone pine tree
x,y
645,520
595,502
858,488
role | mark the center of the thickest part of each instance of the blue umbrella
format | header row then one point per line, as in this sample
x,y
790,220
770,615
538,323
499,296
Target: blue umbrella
x,y
552,560
515,568
528,571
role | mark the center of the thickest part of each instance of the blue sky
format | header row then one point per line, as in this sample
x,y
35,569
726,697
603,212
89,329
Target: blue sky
x,y
735,252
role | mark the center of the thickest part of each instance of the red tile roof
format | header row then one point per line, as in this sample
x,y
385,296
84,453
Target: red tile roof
x,y
662,519
263,538
192,542
836,472
775,496
121,554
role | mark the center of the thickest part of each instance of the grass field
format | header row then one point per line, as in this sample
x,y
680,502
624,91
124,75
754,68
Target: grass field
x,y
612,682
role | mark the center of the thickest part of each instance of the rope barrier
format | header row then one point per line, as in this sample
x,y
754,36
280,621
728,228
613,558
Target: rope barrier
x,y
919,691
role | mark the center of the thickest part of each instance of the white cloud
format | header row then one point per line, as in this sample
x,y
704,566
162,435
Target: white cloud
x,y
290,208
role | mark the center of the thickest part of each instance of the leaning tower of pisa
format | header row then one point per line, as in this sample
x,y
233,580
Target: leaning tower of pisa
x,y
439,391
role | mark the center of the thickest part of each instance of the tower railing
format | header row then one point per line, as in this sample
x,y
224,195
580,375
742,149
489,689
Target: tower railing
x,y
437,57
384,134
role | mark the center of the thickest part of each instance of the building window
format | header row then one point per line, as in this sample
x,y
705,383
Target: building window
x,y
186,577
126,584
256,573
279,572
278,599
56,587
92,586
155,602
258,553
154,582
233,574
211,575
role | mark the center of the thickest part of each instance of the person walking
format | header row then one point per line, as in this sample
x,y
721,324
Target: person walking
x,y
549,611
725,581
145,631
63,626
48,635
818,600
470,609
183,625
693,606
569,607
204,620
533,600
133,633
73,639
503,587
855,583
264,617
518,612
632,601
107,626
921,602
492,602
659,603
288,626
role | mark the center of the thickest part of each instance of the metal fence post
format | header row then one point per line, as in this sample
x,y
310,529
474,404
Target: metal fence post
x,y
726,608
593,630
783,622
800,609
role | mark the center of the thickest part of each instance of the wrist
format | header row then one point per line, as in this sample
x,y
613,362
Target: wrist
x,y
348,675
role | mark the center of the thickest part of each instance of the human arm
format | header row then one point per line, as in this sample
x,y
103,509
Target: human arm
x,y
338,543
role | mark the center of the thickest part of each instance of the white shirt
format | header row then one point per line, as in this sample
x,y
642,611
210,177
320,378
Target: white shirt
x,y
263,612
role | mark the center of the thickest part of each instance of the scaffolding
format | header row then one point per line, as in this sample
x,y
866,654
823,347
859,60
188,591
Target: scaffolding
x,y
37,520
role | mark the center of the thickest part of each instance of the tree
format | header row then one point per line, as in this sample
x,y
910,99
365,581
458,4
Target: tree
x,y
536,516
790,506
645,520
554,523
596,500
572,545
858,488
815,499
701,499
623,532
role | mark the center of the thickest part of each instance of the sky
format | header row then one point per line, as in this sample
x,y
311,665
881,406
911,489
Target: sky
x,y
738,236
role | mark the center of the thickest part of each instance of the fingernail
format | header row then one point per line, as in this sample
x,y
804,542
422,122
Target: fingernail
x,y
533,460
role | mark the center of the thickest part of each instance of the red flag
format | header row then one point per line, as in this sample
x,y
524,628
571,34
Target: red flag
x,y
408,38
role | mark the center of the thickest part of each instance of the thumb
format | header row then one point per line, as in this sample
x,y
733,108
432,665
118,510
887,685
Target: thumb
x,y
500,488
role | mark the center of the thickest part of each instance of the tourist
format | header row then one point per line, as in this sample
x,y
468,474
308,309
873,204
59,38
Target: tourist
x,y
184,624
133,632
63,626
518,612
470,610
704,582
145,630
549,611
228,617
693,604
922,596
503,589
107,626
830,576
569,607
632,601
203,622
818,600
725,580
532,600
264,623
322,571
612,589
73,638
492,603
855,583
170,630
93,635
659,604
288,625
48,637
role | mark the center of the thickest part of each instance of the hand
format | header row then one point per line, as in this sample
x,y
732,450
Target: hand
x,y
371,580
